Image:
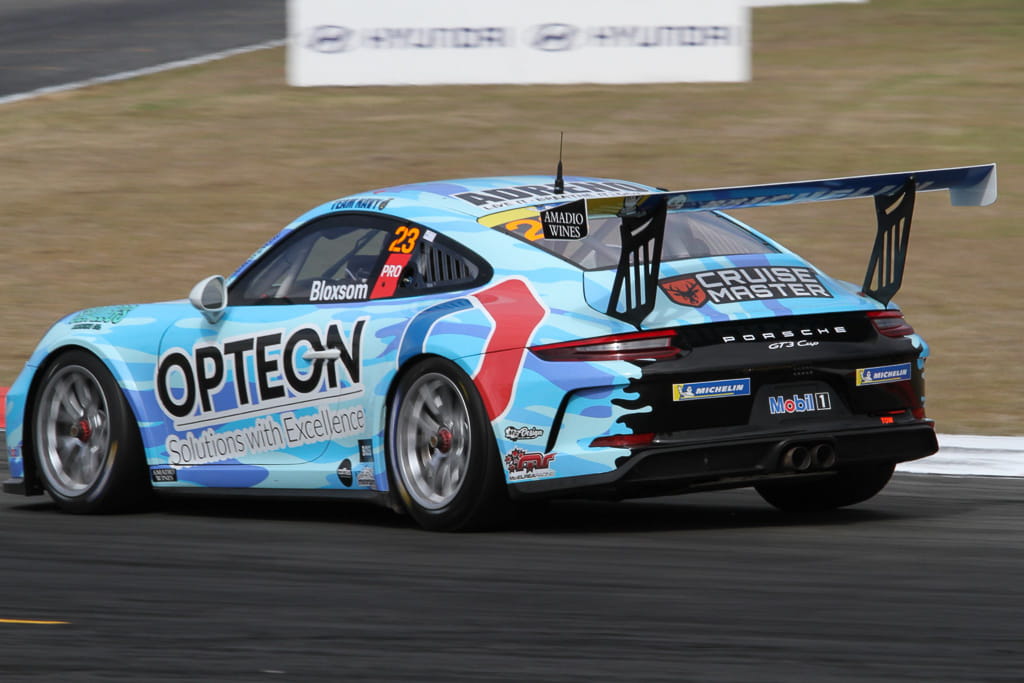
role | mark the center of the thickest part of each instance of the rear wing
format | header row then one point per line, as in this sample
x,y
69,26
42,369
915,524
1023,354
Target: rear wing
x,y
643,222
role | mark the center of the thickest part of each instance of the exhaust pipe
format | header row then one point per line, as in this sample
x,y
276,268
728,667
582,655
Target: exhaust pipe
x,y
824,456
797,458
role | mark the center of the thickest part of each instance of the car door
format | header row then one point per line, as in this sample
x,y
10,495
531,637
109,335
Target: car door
x,y
283,373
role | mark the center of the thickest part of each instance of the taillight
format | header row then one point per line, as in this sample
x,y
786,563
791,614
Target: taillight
x,y
636,346
890,323
622,441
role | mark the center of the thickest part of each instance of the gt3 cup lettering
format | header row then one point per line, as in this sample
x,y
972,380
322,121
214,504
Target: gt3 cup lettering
x,y
791,344
190,385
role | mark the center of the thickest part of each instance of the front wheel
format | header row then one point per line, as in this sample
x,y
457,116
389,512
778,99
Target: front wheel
x,y
848,487
441,452
86,441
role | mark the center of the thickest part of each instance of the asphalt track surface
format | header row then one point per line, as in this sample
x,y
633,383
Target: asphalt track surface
x,y
922,583
45,43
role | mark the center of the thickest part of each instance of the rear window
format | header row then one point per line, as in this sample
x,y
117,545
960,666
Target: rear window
x,y
687,235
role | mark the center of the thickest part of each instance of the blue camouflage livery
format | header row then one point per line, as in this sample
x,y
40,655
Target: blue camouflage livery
x,y
294,392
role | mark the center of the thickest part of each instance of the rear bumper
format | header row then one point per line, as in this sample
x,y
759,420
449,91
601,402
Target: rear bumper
x,y
730,463
16,486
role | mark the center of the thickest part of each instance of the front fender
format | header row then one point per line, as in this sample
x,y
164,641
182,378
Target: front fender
x,y
125,338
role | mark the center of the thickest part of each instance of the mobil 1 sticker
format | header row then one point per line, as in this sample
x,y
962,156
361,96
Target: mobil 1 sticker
x,y
565,222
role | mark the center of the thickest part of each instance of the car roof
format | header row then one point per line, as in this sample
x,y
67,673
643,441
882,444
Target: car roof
x,y
477,197
447,204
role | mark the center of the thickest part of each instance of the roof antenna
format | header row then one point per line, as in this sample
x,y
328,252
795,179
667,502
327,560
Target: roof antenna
x,y
559,180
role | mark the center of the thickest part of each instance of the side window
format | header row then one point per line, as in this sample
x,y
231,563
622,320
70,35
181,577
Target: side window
x,y
355,257
342,250
439,264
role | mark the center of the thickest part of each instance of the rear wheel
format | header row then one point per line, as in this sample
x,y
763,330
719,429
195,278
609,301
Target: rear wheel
x,y
86,441
849,486
441,452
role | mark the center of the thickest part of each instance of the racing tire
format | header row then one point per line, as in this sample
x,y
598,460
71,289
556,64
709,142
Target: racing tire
x,y
849,486
87,446
442,457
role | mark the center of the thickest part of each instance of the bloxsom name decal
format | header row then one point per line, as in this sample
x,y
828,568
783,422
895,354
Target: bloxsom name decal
x,y
749,283
322,290
266,373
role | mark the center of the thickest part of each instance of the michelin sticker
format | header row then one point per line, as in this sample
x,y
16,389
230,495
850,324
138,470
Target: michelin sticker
x,y
883,374
722,388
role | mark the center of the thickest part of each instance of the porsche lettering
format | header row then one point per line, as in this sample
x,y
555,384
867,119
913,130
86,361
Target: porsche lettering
x,y
785,335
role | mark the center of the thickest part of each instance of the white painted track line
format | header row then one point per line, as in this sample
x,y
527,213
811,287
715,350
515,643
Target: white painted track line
x,y
125,75
961,455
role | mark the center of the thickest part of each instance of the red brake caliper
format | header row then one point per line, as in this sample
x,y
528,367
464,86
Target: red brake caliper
x,y
82,431
442,441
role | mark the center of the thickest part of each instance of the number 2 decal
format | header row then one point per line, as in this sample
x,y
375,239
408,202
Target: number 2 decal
x,y
405,240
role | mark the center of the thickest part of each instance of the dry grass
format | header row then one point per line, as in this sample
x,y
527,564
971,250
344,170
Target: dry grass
x,y
133,191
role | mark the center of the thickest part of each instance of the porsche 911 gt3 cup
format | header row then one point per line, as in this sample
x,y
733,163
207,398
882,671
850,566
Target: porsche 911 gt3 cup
x,y
449,348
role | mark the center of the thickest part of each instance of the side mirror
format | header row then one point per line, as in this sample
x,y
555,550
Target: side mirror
x,y
210,296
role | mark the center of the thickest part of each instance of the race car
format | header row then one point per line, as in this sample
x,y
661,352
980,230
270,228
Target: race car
x,y
452,348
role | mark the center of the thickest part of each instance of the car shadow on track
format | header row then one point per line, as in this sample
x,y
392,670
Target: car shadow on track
x,y
552,517
678,515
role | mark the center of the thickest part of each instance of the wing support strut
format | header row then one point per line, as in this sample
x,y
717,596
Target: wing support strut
x,y
889,254
636,277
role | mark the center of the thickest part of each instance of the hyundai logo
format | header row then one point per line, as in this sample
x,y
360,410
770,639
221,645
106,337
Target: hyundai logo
x,y
330,39
555,37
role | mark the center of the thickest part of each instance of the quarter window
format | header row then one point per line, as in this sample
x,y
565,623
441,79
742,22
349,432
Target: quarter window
x,y
357,257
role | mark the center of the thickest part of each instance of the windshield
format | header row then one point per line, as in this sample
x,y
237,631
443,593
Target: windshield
x,y
687,235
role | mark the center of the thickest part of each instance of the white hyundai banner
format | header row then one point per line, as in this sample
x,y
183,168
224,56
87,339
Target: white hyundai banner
x,y
419,42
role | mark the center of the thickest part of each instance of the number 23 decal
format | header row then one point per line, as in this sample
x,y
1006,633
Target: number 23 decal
x,y
405,240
